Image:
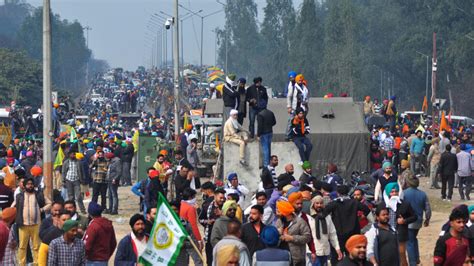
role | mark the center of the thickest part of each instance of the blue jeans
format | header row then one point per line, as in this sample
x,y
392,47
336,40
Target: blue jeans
x,y
304,147
320,260
266,144
96,263
252,115
113,197
412,247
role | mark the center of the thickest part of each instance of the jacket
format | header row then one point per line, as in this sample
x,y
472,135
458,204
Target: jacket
x,y
448,164
80,171
6,196
272,256
296,129
265,121
44,204
464,163
347,261
99,239
230,96
267,178
406,211
180,184
257,97
300,231
298,96
344,215
420,204
127,154
251,237
125,255
114,171
232,240
188,213
219,230
323,245
152,189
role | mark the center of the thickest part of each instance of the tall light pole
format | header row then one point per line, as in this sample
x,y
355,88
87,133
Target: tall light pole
x,y
176,68
225,37
202,34
427,72
87,29
189,15
160,21
47,122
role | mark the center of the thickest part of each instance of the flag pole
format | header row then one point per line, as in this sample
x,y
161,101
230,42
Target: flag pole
x,y
196,248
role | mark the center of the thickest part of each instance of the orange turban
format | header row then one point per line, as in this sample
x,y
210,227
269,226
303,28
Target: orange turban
x,y
189,127
36,171
355,240
306,195
285,208
8,215
299,78
164,152
294,197
10,153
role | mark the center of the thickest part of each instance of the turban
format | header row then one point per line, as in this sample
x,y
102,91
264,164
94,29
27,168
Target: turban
x,y
10,153
270,236
189,127
164,152
286,188
470,208
29,154
405,164
242,80
412,181
355,240
109,155
386,165
306,165
233,112
306,195
232,176
227,205
10,160
292,190
36,171
70,224
153,173
293,197
285,208
291,74
85,141
79,156
94,209
391,186
90,145
9,215
135,218
232,77
225,253
299,78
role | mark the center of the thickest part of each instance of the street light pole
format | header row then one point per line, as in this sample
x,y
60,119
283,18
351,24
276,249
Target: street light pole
x,y
427,72
87,28
47,122
176,69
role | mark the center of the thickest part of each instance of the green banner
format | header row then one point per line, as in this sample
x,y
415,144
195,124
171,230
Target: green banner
x,y
148,149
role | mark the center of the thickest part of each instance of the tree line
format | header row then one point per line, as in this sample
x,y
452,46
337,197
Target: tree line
x,y
21,43
360,47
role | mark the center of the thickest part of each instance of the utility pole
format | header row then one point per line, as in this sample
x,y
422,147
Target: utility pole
x,y
47,123
434,68
87,29
176,68
427,72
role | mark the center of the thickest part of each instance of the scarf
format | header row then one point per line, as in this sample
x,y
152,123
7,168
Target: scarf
x,y
342,198
297,121
191,202
231,82
392,202
235,123
320,223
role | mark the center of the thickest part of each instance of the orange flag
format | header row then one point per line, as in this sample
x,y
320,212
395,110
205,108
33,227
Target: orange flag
x,y
444,123
217,141
424,107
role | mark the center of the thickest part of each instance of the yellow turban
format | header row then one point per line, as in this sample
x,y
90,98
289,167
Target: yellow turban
x,y
299,78
228,204
226,253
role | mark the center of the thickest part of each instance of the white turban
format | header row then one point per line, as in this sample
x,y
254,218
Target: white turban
x,y
233,112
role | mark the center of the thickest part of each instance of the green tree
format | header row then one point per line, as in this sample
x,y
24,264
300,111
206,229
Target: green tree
x,y
276,32
307,43
69,51
20,78
243,39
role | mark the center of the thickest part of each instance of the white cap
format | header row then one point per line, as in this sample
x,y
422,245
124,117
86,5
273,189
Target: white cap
x,y
234,112
212,85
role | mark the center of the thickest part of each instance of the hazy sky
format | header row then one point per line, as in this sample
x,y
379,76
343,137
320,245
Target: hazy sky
x,y
119,27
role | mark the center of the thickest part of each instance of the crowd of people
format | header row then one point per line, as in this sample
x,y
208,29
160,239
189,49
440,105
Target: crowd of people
x,y
306,220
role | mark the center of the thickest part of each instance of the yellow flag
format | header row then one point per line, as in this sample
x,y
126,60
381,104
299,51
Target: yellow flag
x,y
135,140
59,158
186,121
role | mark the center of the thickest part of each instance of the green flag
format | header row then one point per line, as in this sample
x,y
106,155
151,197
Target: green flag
x,y
73,135
59,158
166,237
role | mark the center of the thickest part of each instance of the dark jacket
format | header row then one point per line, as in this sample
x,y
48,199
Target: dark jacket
x,y
27,164
151,192
265,121
448,164
405,210
296,129
344,215
6,196
350,262
99,239
257,97
231,96
251,237
20,202
128,153
125,255
267,178
180,184
114,170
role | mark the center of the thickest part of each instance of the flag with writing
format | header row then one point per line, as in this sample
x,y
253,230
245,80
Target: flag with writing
x,y
166,237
